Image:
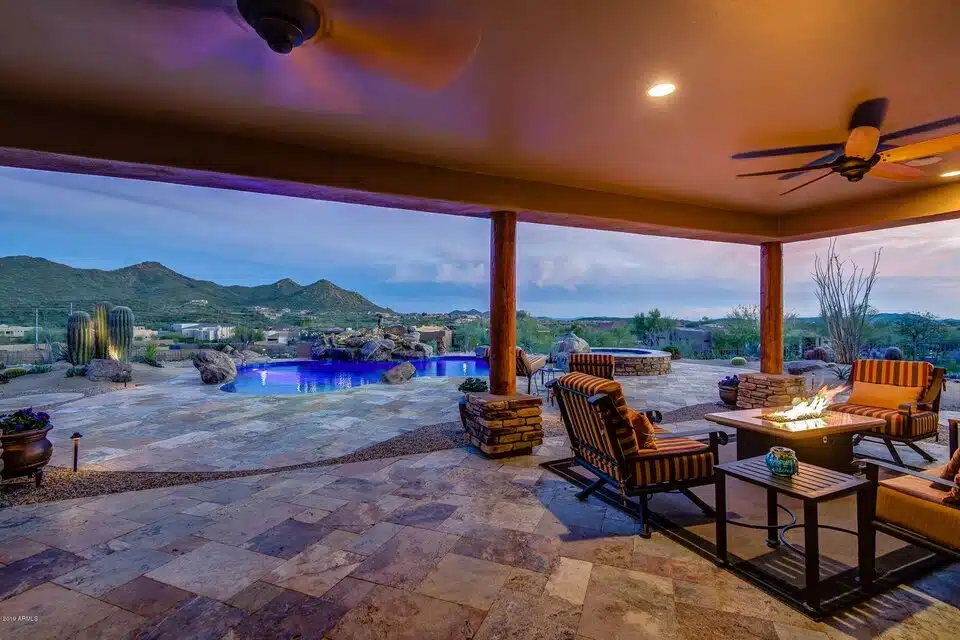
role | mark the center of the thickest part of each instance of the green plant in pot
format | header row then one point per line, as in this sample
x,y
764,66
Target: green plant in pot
x,y
26,449
470,385
728,388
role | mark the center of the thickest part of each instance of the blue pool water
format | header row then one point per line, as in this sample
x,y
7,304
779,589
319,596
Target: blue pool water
x,y
317,376
622,351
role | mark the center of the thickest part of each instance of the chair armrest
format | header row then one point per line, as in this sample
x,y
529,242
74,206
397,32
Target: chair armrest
x,y
936,387
705,431
909,408
910,472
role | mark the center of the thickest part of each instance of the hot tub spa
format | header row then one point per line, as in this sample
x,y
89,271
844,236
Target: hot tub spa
x,y
638,362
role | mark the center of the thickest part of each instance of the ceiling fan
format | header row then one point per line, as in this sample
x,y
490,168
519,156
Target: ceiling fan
x,y
866,151
405,41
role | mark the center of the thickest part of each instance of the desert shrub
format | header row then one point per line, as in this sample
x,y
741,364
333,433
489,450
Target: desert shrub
x,y
893,353
738,361
150,355
41,368
473,385
2,366
841,371
673,351
730,381
76,372
14,372
817,353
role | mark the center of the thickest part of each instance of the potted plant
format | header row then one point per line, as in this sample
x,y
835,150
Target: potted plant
x,y
728,390
26,450
470,385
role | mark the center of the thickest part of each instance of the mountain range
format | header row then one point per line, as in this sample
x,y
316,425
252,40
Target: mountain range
x,y
27,282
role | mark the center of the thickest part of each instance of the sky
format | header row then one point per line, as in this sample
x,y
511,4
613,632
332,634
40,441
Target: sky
x,y
413,261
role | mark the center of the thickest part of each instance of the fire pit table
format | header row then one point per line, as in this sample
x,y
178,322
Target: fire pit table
x,y
825,441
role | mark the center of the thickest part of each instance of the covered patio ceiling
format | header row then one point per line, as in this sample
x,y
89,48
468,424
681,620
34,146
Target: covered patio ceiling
x,y
550,119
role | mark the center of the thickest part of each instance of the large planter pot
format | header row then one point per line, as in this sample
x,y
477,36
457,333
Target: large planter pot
x,y
728,395
26,454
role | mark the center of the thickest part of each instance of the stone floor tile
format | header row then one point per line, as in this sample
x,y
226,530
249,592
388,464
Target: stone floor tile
x,y
520,616
287,539
406,558
340,539
158,509
514,548
501,513
215,570
569,580
119,624
465,580
146,597
114,503
355,490
311,515
255,596
18,548
183,545
401,615
423,514
349,592
196,618
50,611
79,528
629,604
201,508
526,581
375,537
250,521
315,570
290,615
103,574
31,571
163,532
592,545
356,516
710,624
317,501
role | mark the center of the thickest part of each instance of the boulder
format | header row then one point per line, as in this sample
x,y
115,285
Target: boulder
x,y
227,349
567,344
102,369
253,356
215,367
798,367
399,374
377,350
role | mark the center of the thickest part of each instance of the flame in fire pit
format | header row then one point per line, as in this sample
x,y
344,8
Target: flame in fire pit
x,y
808,409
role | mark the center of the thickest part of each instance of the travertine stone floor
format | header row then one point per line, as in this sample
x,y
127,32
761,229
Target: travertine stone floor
x,y
444,545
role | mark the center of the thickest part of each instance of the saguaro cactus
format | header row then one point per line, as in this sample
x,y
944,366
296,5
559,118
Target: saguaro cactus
x,y
101,335
121,332
80,338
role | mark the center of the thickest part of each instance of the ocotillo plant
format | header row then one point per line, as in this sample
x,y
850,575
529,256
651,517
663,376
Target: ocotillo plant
x,y
101,335
80,338
121,332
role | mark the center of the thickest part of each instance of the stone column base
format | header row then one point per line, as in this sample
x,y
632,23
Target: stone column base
x,y
768,390
503,425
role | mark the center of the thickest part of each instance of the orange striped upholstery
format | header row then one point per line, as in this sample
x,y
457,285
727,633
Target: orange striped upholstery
x,y
897,372
596,364
920,423
673,460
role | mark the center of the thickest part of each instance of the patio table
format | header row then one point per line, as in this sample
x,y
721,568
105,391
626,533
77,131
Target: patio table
x,y
811,485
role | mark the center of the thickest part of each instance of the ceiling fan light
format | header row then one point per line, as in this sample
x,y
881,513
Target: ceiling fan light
x,y
950,174
661,90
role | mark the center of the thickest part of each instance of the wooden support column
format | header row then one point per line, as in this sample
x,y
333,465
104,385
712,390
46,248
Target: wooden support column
x,y
771,307
503,303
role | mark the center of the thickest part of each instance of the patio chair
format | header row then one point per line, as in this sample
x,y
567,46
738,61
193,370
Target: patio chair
x,y
595,364
598,423
910,507
905,394
527,366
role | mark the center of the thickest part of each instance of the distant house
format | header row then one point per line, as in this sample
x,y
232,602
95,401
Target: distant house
x,y
208,332
281,335
178,327
142,333
686,338
14,331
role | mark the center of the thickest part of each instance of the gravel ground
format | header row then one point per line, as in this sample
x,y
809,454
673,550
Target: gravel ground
x,y
57,382
693,412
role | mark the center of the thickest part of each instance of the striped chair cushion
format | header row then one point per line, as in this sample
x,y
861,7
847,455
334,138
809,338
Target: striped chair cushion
x,y
673,460
920,423
596,364
897,372
526,365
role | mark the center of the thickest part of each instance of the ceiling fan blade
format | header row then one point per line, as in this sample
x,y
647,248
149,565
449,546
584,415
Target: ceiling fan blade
x,y
896,172
921,128
862,142
869,113
420,50
807,183
788,151
822,161
311,76
185,34
921,149
779,171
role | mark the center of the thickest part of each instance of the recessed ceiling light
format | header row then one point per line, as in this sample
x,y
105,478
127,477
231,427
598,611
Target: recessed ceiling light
x,y
950,174
661,90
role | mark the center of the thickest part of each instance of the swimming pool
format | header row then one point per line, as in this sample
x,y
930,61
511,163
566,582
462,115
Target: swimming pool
x,y
318,376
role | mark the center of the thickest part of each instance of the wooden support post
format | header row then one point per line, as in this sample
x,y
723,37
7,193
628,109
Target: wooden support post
x,y
503,303
771,307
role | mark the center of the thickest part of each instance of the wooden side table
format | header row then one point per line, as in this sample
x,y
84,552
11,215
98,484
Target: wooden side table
x,y
812,485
